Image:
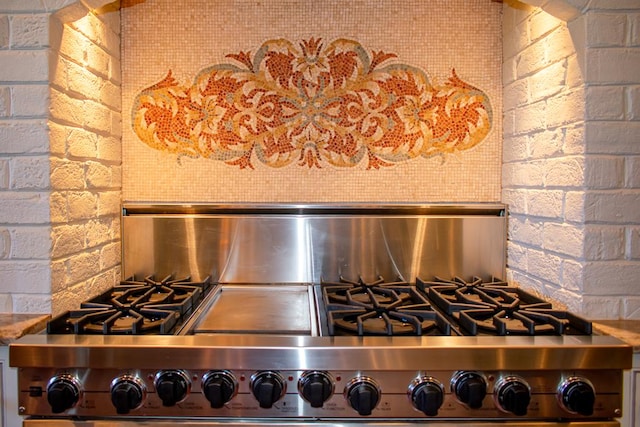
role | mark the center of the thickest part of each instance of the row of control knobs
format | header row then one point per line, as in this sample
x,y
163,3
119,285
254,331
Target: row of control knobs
x,y
512,393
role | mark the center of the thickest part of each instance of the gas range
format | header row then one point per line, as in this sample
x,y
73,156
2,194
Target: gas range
x,y
249,315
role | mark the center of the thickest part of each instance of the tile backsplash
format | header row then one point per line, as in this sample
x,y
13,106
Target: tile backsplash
x,y
300,101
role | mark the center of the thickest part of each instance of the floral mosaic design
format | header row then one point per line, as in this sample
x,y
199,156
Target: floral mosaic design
x,y
312,106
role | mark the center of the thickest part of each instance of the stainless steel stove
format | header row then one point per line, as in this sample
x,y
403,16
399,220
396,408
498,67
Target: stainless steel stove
x,y
318,315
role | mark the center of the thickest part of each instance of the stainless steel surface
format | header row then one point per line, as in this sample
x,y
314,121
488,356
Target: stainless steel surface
x,y
304,244
393,363
253,309
314,423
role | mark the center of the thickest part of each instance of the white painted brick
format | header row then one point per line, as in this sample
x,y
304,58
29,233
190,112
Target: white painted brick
x,y
116,124
612,207
29,31
83,82
24,137
110,255
604,103
546,144
98,61
4,32
631,308
612,278
5,243
574,137
58,275
633,243
111,96
530,118
6,303
4,174
28,277
602,242
516,94
30,173
83,266
98,232
97,117
544,265
115,70
516,255
82,144
67,175
549,81
612,65
531,59
67,110
604,172
559,45
574,78
515,199
515,38
109,149
606,29
545,203
612,4
524,173
67,240
634,30
565,108
564,172
24,66
525,230
602,307
632,172
612,137
74,45
30,101
5,101
58,206
98,175
24,208
572,277
58,135
82,205
31,242
515,149
574,206
109,203
564,239
633,103
541,24
40,303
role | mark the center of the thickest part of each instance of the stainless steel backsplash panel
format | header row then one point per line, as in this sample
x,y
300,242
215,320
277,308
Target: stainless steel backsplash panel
x,y
304,244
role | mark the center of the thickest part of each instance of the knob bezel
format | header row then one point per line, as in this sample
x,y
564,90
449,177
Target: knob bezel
x,y
73,381
276,375
565,385
461,375
136,381
499,389
355,382
414,386
305,378
180,373
225,374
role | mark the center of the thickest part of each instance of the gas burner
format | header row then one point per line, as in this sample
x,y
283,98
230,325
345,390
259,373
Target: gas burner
x,y
379,308
134,307
498,309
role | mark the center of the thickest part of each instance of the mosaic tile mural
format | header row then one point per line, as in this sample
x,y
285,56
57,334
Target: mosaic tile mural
x,y
312,105
264,101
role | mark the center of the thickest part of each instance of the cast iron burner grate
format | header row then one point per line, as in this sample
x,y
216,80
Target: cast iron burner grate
x,y
379,308
495,308
134,307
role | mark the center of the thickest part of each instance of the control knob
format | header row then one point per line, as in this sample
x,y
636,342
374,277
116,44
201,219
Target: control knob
x,y
363,394
469,388
513,395
427,395
315,387
63,392
577,395
127,393
172,386
268,387
219,387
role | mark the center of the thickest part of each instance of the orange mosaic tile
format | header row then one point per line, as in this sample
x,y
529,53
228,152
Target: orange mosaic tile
x,y
312,105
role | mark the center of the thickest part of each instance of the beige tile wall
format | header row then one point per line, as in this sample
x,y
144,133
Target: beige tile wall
x,y
187,36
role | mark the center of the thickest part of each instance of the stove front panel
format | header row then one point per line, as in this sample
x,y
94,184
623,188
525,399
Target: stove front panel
x,y
326,378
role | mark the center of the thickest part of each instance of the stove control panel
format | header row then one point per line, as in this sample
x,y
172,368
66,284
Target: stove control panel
x,y
322,394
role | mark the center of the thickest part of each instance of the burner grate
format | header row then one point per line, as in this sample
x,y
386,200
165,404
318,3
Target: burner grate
x,y
495,308
380,308
134,307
